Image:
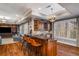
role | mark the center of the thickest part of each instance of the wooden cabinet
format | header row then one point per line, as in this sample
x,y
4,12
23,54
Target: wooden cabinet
x,y
37,24
43,46
46,26
42,25
52,48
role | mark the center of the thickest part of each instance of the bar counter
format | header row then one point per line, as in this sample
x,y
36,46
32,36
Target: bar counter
x,y
41,46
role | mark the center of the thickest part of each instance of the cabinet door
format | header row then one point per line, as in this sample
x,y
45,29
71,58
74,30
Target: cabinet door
x,y
37,25
46,26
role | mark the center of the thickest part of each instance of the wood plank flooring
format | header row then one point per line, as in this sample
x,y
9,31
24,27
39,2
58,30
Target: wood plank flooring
x,y
67,50
13,49
16,49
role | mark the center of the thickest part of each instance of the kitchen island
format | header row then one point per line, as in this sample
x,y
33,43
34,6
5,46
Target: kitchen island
x,y
41,45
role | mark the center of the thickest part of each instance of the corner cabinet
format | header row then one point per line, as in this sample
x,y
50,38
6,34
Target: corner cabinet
x,y
37,24
42,25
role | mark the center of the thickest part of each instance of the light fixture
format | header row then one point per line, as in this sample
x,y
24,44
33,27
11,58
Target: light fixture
x,y
5,17
4,21
17,15
39,8
51,17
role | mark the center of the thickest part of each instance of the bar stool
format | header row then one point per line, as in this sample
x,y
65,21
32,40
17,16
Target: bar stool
x,y
32,47
24,44
27,43
36,48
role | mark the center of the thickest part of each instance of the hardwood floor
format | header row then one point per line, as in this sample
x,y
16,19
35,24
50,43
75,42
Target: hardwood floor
x,y
16,49
67,50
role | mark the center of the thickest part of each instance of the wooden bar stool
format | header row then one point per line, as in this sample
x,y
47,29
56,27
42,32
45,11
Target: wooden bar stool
x,y
36,48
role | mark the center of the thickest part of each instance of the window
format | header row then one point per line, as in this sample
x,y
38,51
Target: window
x,y
21,29
26,28
65,29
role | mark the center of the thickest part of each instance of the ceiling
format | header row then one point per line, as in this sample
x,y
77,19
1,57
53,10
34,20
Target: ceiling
x,y
73,8
13,12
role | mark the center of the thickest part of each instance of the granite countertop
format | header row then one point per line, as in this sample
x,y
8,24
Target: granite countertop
x,y
40,37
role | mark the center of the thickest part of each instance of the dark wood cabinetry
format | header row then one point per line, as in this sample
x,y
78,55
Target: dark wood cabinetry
x,y
45,26
37,24
41,46
42,24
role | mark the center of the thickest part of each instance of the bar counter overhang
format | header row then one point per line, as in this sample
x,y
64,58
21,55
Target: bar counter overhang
x,y
41,46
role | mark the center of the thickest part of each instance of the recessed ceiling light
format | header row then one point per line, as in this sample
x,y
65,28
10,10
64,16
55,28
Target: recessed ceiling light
x,y
17,15
5,17
4,21
39,8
